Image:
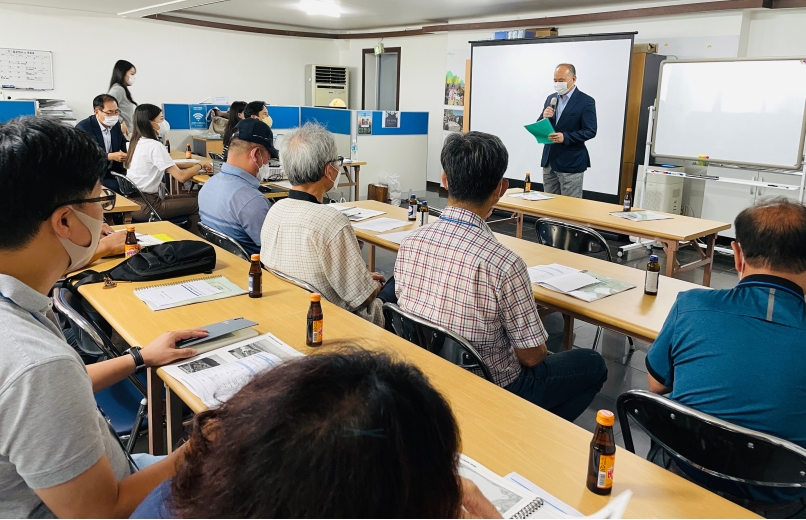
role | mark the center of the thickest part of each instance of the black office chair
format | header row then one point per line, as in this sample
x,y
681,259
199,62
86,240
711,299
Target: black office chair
x,y
218,160
223,241
436,339
129,189
576,239
123,404
290,279
711,445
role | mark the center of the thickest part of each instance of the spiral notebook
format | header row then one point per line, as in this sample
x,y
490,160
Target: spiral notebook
x,y
518,501
186,292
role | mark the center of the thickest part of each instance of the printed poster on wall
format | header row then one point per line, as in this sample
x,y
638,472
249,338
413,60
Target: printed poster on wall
x,y
455,77
364,122
391,119
198,117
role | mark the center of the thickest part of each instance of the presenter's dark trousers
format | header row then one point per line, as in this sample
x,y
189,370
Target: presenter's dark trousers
x,y
568,184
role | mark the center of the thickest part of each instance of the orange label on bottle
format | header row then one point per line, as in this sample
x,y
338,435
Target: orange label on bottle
x,y
605,478
129,250
316,331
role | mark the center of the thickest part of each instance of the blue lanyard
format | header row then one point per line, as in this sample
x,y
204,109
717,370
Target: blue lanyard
x,y
460,222
772,286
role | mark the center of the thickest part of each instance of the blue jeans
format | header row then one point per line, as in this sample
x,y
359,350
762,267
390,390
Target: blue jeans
x,y
144,460
564,383
387,294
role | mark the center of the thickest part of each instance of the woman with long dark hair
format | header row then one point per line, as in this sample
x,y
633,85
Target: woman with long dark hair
x,y
235,115
148,160
336,435
123,76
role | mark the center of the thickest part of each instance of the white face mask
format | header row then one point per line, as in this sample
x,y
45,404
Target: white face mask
x,y
262,169
81,255
561,87
164,128
110,121
131,80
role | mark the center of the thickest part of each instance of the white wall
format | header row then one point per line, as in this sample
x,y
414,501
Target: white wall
x,y
778,33
175,63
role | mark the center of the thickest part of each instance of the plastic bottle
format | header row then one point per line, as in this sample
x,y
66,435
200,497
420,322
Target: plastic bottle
x,y
652,276
527,186
130,246
354,150
313,334
412,208
602,454
628,200
255,278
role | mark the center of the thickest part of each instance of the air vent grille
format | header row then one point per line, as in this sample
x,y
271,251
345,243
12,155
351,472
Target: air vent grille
x,y
331,75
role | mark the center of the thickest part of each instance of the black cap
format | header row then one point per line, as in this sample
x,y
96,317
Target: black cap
x,y
258,132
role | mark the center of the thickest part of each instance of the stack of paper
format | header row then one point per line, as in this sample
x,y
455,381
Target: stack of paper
x,y
382,224
584,285
532,195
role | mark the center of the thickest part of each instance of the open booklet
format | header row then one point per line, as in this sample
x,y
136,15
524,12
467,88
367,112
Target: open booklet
x,y
217,375
515,499
584,285
357,214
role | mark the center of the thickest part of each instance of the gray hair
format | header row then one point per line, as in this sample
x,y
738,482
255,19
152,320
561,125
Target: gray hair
x,y
306,151
571,68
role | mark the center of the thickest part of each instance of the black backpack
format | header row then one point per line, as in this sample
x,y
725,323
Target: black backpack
x,y
168,260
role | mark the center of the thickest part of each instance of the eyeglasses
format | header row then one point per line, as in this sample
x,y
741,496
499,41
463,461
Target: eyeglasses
x,y
107,200
339,160
112,113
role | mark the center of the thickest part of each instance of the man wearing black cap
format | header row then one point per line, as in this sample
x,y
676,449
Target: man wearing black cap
x,y
230,201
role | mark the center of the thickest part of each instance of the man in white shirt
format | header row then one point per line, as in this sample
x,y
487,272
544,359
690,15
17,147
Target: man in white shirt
x,y
313,242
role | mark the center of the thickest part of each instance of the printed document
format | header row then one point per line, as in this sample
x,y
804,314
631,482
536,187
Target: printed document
x,y
640,216
532,195
396,238
357,214
584,285
382,224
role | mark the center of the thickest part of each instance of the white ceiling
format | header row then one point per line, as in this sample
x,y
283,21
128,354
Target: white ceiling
x,y
358,14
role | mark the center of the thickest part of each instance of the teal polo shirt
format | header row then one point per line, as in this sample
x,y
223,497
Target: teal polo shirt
x,y
740,355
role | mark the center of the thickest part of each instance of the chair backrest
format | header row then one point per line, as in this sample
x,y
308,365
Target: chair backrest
x,y
714,446
129,189
218,160
290,279
68,304
570,237
436,339
223,241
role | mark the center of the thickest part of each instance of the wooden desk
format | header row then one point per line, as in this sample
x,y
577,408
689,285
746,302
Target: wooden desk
x,y
499,429
352,177
201,179
203,146
178,156
631,312
125,206
596,215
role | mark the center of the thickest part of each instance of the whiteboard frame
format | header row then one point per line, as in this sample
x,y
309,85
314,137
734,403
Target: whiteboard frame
x,y
796,166
52,75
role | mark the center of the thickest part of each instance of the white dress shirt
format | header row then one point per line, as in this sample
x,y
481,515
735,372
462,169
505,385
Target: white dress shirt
x,y
106,132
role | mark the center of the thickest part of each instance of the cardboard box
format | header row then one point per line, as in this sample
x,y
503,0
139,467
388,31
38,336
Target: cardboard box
x,y
542,32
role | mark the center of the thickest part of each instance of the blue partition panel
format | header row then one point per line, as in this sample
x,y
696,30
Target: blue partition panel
x,y
11,109
411,123
178,116
283,117
334,119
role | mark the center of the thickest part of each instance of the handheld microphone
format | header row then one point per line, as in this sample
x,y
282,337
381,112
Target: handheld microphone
x,y
553,102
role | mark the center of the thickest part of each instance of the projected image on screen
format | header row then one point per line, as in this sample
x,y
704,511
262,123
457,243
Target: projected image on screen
x,y
510,84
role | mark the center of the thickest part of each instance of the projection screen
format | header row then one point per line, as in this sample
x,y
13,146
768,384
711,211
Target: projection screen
x,y
511,79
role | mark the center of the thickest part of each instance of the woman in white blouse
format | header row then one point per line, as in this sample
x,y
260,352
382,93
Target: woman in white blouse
x,y
148,160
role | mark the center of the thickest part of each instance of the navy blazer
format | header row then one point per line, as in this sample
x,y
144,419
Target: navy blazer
x,y
90,126
578,124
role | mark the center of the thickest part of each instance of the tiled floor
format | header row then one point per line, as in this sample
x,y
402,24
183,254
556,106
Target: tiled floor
x,y
625,371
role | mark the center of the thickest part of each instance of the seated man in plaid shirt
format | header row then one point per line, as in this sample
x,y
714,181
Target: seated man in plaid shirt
x,y
455,273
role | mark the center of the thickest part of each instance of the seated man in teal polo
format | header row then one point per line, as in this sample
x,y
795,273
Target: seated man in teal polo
x,y
740,354
230,201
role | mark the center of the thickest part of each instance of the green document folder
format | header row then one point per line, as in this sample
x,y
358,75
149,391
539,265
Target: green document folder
x,y
541,130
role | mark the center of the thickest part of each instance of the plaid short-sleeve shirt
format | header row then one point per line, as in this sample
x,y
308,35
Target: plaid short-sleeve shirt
x,y
456,274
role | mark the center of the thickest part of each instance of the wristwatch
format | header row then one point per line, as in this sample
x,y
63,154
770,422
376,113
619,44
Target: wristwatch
x,y
139,364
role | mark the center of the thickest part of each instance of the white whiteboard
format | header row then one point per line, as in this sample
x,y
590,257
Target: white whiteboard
x,y
749,112
26,70
510,83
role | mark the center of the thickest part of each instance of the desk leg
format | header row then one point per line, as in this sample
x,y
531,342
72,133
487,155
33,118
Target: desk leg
x,y
127,217
156,409
519,226
371,257
173,413
671,256
356,172
568,332
710,241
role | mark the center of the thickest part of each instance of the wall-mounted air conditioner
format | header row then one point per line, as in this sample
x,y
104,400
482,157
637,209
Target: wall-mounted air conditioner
x,y
325,84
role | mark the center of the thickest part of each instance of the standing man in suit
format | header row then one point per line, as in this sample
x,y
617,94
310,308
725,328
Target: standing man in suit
x,y
573,115
104,126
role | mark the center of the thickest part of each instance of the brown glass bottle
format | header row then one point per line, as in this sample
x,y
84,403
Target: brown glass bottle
x,y
602,454
652,279
188,153
168,144
527,185
313,334
255,278
130,246
628,200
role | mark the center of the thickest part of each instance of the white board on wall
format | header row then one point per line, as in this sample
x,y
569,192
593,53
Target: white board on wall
x,y
23,69
748,112
511,81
